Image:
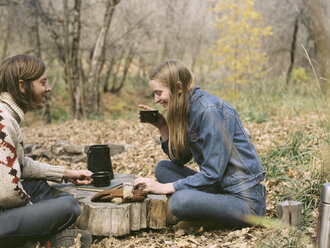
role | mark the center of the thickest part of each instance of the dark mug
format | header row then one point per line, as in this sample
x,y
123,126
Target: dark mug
x,y
148,115
101,178
99,159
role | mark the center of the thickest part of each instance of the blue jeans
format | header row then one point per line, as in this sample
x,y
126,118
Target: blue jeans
x,y
210,204
48,214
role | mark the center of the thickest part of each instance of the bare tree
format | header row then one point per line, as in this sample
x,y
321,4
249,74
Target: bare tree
x,y
35,46
315,19
107,74
293,49
76,89
8,27
67,54
93,99
127,64
296,23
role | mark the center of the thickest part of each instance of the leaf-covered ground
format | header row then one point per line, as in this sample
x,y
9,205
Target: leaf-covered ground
x,y
144,153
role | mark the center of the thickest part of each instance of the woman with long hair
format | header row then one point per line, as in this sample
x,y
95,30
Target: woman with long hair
x,y
204,127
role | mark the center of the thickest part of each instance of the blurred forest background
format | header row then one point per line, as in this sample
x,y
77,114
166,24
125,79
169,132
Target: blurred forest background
x,y
269,58
96,50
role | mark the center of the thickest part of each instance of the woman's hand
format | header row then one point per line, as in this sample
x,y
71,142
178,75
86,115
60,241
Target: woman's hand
x,y
161,123
149,185
79,176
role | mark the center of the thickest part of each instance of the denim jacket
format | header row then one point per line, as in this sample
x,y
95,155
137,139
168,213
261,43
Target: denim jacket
x,y
220,146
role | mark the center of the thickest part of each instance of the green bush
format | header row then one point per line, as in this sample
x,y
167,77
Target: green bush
x,y
59,114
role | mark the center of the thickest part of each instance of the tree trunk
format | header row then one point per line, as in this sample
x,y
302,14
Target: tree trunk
x,y
93,85
316,20
68,56
46,110
35,44
128,62
36,31
6,40
115,75
293,50
75,77
107,76
37,47
196,52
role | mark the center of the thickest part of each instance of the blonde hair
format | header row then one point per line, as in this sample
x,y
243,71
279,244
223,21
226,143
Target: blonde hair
x,y
169,73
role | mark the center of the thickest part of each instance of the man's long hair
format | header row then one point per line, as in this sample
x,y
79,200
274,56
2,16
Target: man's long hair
x,y
20,67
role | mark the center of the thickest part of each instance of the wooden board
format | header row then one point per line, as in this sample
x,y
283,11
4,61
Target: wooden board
x,y
104,219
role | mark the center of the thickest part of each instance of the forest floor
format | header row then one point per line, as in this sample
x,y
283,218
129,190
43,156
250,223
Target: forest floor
x,y
141,158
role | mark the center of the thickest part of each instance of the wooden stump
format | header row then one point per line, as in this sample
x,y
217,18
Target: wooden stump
x,y
170,218
138,215
105,218
157,211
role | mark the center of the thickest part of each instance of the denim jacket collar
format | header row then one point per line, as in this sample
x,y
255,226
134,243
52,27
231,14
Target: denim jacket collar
x,y
194,93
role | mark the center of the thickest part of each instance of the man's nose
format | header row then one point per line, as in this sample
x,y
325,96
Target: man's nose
x,y
48,88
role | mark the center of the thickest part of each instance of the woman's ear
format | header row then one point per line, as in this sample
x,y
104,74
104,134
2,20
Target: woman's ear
x,y
21,86
179,84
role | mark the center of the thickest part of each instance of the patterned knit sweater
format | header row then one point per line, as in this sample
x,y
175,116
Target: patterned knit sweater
x,y
14,166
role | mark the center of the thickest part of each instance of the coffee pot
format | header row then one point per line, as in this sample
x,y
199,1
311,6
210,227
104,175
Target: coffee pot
x,y
99,159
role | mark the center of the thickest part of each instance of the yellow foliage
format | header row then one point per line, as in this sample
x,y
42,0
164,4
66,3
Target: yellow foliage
x,y
117,108
300,75
237,49
228,94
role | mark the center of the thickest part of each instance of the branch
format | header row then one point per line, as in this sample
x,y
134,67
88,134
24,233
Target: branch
x,y
131,28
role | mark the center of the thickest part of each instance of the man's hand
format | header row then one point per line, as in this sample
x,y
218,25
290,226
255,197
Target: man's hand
x,y
79,176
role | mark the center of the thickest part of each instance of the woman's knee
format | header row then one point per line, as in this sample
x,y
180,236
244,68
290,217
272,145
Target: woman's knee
x,y
179,203
161,169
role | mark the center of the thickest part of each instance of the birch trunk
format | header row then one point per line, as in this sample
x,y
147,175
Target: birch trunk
x,y
75,77
92,107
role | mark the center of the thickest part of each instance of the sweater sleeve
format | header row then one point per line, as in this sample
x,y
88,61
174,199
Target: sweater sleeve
x,y
36,169
12,193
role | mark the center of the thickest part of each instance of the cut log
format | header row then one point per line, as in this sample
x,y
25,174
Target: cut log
x,y
105,218
157,211
170,218
138,215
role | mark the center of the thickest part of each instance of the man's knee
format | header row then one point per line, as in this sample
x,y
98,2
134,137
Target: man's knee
x,y
37,189
70,206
